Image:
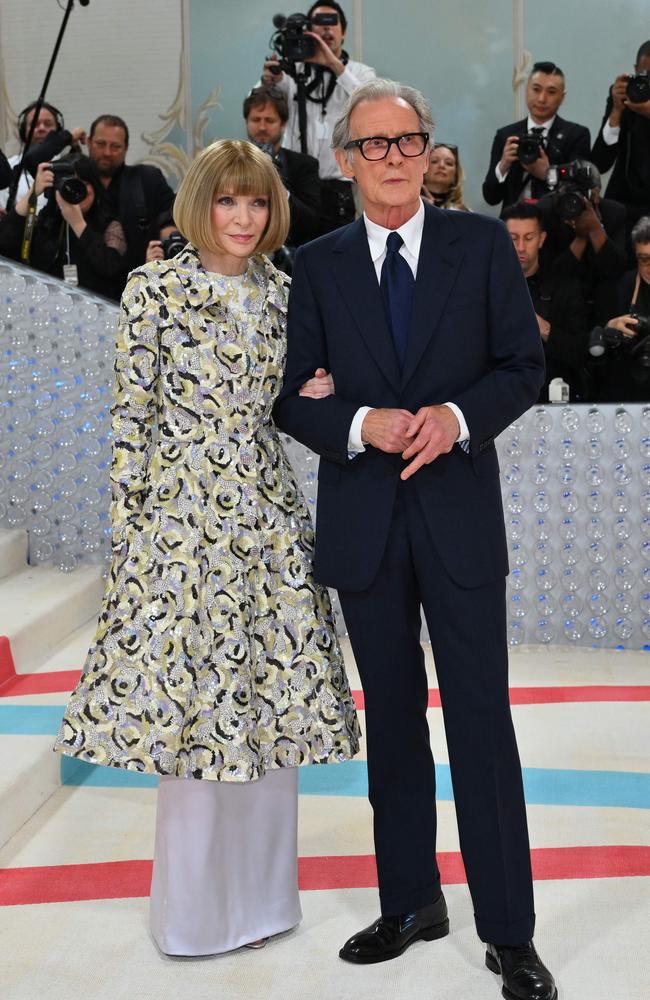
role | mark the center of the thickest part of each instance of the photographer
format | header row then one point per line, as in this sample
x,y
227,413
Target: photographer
x,y
623,141
137,194
50,138
585,234
332,77
266,114
522,152
622,349
80,240
557,300
166,240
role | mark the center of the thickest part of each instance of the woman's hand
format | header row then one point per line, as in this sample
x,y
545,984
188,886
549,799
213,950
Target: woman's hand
x,y
625,325
72,215
44,177
318,387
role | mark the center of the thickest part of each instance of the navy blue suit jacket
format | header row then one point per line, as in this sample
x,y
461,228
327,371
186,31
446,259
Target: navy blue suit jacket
x,y
473,341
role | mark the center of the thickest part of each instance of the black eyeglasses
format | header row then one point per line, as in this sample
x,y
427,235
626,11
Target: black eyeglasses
x,y
445,145
375,147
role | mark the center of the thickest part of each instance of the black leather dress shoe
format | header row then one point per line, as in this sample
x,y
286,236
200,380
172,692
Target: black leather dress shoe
x,y
524,975
388,937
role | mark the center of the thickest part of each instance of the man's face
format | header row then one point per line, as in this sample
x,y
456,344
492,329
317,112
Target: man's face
x,y
643,64
44,126
107,148
395,181
265,125
332,34
544,95
642,254
528,239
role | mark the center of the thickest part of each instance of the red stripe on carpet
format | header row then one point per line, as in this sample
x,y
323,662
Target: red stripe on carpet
x,y
129,879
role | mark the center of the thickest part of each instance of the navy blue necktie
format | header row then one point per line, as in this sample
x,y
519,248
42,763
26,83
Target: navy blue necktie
x,y
396,286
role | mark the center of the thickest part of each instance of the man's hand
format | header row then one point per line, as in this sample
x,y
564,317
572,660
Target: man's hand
x,y
619,96
539,166
588,221
268,75
433,431
44,177
385,429
323,55
509,154
78,135
643,108
625,324
318,387
544,327
154,251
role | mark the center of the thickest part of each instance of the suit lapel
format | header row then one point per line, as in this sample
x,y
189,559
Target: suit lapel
x,y
357,280
438,264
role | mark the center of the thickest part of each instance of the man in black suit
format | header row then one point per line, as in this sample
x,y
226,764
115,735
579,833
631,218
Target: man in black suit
x,y
266,114
623,142
508,178
139,194
423,318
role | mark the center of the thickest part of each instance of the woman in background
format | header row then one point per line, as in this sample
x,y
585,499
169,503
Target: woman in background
x,y
443,181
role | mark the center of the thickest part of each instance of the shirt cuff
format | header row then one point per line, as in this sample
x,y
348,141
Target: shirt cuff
x,y
499,176
611,133
355,444
464,429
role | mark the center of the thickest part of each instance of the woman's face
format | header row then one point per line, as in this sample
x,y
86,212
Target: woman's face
x,y
46,123
238,222
441,175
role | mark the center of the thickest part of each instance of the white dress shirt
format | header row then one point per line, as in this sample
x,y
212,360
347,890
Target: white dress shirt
x,y
411,233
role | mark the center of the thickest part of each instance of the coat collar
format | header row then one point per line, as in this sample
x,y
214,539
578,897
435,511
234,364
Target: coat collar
x,y
185,275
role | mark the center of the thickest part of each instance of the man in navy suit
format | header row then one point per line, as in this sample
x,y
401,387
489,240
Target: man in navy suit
x,y
423,318
508,179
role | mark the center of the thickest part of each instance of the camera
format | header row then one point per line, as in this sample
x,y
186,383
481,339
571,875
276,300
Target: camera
x,y
638,87
530,147
173,244
71,188
570,183
608,340
290,41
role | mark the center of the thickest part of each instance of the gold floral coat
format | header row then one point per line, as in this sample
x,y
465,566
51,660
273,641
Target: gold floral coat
x,y
215,654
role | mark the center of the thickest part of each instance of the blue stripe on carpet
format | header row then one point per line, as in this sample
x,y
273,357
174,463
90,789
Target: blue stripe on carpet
x,y
544,786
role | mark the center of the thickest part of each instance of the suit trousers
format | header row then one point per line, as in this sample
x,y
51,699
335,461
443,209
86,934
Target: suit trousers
x,y
467,628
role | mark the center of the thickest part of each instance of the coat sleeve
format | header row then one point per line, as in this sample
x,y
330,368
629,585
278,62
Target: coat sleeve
x,y
134,407
602,154
321,424
515,369
493,189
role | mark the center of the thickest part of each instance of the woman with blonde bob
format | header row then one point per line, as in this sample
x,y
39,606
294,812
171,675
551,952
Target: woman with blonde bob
x,y
215,663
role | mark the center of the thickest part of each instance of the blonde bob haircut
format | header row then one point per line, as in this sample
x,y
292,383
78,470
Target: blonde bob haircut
x,y
233,167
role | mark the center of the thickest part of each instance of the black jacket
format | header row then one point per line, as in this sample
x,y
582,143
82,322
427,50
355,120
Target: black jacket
x,y
559,301
100,268
630,158
299,174
138,195
567,141
6,172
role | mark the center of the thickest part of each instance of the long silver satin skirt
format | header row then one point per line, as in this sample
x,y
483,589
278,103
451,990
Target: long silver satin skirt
x,y
225,862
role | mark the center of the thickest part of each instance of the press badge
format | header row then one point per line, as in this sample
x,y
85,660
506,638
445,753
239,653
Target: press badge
x,y
70,274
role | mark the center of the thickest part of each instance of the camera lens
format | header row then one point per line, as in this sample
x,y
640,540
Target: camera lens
x,y
72,189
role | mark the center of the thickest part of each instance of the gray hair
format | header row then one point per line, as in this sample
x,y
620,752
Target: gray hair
x,y
379,90
641,231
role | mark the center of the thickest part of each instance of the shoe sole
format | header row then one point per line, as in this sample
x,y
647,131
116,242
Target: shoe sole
x,y
493,966
432,933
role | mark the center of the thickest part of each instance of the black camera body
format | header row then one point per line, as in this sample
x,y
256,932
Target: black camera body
x,y
71,188
529,147
638,87
610,341
570,183
173,244
290,41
